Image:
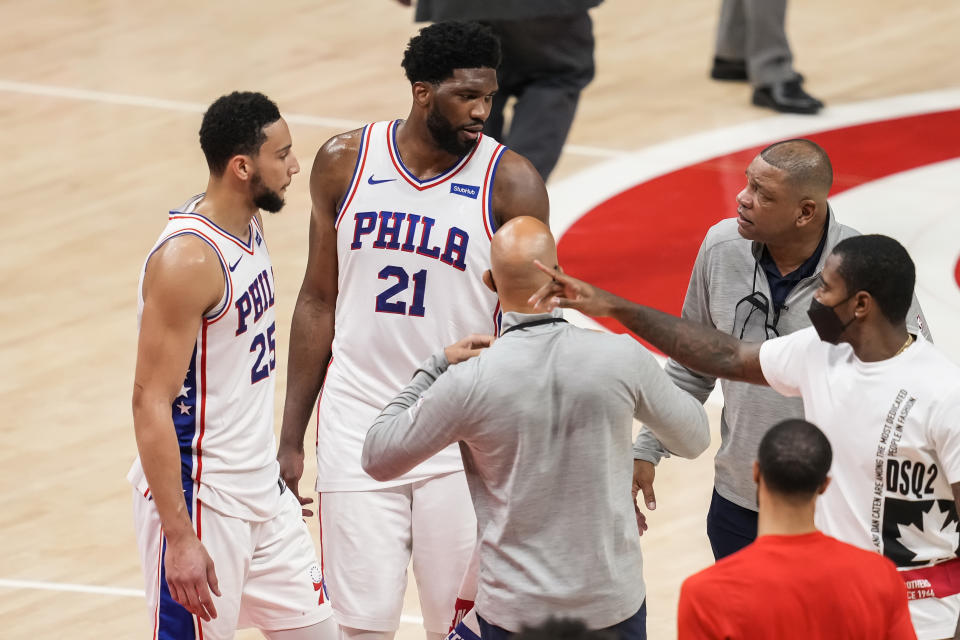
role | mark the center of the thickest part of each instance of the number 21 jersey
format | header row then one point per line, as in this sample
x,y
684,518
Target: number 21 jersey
x,y
411,255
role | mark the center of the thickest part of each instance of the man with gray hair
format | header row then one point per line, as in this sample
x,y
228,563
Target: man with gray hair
x,y
754,278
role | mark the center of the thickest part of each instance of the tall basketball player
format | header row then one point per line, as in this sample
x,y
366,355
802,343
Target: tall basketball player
x,y
211,512
403,213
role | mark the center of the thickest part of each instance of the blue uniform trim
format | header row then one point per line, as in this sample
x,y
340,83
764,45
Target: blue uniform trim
x,y
462,632
493,177
215,313
247,244
364,135
396,154
173,621
184,413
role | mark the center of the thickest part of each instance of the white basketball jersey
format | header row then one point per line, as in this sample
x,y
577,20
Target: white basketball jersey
x,y
411,256
224,412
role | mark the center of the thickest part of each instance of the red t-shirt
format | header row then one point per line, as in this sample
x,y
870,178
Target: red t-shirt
x,y
806,587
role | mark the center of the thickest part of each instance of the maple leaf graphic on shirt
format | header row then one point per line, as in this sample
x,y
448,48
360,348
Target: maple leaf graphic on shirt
x,y
934,541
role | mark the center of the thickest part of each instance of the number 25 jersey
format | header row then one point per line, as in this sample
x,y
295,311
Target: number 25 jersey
x,y
411,256
223,414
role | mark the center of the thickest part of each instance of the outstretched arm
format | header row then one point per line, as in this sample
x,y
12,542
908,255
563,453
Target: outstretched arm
x,y
311,331
691,344
416,425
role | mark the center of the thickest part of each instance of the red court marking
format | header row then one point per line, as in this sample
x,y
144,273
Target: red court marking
x,y
642,243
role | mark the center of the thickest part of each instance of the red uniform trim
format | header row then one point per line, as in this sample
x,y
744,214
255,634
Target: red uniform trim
x,y
218,230
939,581
202,383
156,609
355,184
320,399
320,522
488,185
227,280
426,184
196,507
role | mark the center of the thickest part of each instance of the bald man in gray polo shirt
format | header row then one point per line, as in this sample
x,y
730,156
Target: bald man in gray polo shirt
x,y
544,418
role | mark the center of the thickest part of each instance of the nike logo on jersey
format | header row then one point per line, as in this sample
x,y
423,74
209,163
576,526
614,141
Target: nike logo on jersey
x,y
233,267
372,180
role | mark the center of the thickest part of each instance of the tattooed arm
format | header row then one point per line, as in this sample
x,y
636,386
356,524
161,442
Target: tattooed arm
x,y
691,344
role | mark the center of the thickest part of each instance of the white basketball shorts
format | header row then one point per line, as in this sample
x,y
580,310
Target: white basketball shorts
x,y
267,572
369,537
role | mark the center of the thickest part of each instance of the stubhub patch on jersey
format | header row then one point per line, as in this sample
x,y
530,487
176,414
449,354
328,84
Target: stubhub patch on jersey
x,y
466,190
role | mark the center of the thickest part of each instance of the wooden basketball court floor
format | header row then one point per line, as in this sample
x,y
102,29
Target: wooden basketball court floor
x,y
100,102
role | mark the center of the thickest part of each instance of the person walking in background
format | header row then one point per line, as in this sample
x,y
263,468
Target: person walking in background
x,y
547,61
752,46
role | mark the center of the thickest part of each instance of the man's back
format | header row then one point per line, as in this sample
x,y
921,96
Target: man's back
x,y
806,586
550,466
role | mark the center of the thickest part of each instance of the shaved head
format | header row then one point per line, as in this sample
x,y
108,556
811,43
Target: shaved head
x,y
806,165
514,247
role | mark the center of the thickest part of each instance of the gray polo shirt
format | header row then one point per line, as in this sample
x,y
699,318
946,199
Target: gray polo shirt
x,y
725,271
544,421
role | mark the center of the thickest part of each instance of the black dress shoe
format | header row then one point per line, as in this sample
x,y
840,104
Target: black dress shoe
x,y
729,70
786,97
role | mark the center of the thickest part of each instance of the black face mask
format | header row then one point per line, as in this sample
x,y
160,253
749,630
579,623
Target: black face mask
x,y
825,320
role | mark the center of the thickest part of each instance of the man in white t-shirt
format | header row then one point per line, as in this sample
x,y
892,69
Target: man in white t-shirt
x,y
888,401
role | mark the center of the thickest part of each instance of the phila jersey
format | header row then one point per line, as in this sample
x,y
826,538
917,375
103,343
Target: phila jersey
x,y
411,255
896,452
223,414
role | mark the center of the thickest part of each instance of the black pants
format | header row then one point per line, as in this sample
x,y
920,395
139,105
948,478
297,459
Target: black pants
x,y
547,61
730,527
633,628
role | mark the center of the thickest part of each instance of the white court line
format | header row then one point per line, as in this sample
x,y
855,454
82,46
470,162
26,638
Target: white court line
x,y
115,591
106,97
152,103
66,586
597,152
574,196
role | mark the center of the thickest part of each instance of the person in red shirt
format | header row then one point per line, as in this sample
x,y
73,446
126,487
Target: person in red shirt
x,y
794,581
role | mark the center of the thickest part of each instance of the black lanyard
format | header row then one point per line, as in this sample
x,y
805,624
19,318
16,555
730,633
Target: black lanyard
x,y
532,323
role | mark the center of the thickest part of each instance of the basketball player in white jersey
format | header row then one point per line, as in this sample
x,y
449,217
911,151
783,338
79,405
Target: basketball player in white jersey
x,y
210,510
403,213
